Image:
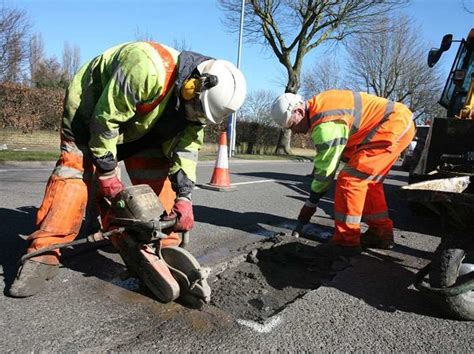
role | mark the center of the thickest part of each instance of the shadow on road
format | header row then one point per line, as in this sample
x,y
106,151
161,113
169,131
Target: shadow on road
x,y
405,216
380,281
21,221
277,176
12,245
244,221
376,278
282,269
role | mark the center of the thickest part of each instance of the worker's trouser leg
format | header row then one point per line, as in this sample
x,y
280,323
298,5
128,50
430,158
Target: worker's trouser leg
x,y
375,209
348,205
150,167
366,169
60,216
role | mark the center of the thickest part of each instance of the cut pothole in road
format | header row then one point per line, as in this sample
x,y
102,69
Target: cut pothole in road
x,y
273,275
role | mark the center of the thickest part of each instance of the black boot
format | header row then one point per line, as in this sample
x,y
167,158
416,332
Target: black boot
x,y
377,238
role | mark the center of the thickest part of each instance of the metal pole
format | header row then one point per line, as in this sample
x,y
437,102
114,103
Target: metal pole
x,y
234,115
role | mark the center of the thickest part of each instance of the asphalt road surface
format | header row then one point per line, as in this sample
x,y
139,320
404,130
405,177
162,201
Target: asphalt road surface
x,y
370,305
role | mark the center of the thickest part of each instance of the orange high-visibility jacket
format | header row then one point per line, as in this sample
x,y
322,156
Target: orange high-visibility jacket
x,y
343,121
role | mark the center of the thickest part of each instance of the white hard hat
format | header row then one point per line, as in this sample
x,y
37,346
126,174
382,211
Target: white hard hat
x,y
227,96
283,107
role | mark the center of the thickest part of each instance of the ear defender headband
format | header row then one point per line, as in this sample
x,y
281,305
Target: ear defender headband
x,y
195,85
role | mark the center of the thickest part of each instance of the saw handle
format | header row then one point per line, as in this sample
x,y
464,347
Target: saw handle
x,y
153,228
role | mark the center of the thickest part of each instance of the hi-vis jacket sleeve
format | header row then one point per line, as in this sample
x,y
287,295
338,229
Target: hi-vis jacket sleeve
x,y
129,85
183,150
329,139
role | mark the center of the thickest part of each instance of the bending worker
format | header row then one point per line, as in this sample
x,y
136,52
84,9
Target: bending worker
x,y
368,133
141,102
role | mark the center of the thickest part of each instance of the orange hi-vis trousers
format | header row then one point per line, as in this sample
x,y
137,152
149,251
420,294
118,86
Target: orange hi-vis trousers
x,y
359,188
60,215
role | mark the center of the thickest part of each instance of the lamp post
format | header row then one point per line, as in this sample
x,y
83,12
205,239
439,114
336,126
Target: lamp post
x,y
233,120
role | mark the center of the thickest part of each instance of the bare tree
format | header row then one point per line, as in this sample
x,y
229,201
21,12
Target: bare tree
x,y
292,28
390,62
181,45
15,59
71,60
140,35
257,106
49,73
468,6
324,75
256,111
36,55
14,31
178,44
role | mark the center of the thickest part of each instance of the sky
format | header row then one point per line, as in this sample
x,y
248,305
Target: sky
x,y
96,25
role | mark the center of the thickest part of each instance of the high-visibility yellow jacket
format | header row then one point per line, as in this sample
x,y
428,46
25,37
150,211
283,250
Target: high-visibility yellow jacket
x,y
121,96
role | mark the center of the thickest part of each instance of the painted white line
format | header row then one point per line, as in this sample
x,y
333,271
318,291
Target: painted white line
x,y
259,181
261,328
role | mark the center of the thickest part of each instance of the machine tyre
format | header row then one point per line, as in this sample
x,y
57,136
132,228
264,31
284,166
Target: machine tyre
x,y
450,263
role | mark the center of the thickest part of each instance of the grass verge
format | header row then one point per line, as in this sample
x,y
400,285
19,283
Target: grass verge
x,y
9,155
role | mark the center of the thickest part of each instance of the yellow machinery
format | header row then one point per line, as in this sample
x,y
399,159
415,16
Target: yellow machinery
x,y
445,175
449,146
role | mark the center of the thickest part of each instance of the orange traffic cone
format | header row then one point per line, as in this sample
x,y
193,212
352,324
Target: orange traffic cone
x,y
220,180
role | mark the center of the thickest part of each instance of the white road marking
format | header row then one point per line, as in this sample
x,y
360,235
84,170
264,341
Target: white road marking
x,y
261,328
250,182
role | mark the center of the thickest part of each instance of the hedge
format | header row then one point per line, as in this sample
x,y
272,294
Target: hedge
x,y
32,109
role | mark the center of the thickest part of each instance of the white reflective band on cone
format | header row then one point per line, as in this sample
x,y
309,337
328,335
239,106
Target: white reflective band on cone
x,y
222,161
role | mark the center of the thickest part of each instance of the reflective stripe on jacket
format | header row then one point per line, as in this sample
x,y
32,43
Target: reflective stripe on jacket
x,y
343,121
119,95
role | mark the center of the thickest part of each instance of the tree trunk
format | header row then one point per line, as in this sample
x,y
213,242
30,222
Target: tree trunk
x,y
284,141
283,147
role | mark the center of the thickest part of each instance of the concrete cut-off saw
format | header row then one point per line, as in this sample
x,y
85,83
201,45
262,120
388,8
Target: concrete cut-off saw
x,y
136,231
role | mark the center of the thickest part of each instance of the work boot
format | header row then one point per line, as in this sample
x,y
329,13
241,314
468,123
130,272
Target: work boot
x,y
32,277
377,238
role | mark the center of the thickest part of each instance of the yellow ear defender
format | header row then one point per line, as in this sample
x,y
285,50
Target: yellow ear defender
x,y
190,88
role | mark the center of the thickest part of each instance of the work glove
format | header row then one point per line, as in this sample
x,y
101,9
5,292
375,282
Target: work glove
x,y
109,185
182,212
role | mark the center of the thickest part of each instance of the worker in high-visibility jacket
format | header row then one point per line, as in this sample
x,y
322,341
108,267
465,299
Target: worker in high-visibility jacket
x,y
368,133
146,104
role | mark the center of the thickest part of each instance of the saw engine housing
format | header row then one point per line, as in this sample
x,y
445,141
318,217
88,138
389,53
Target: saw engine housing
x,y
169,273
